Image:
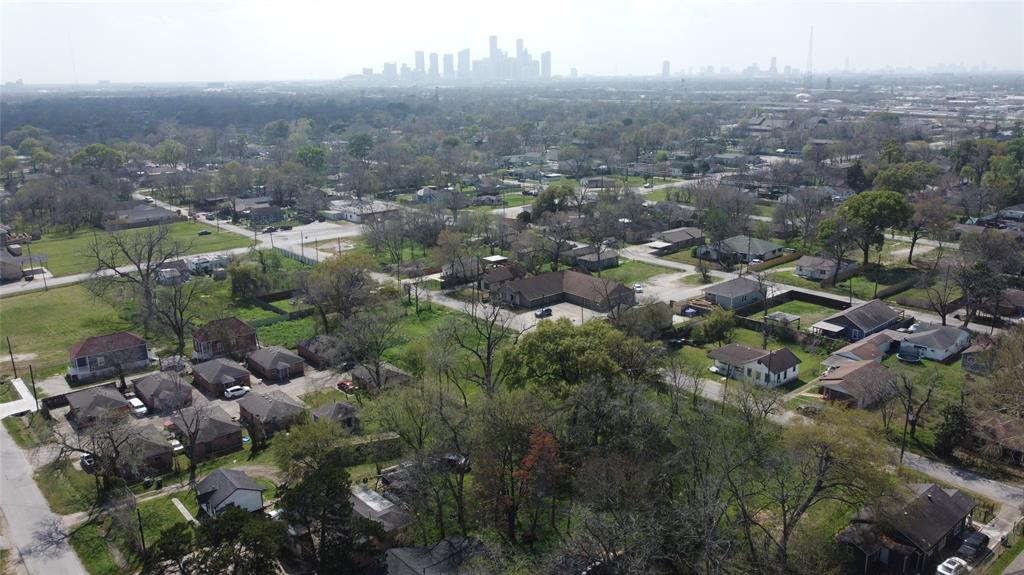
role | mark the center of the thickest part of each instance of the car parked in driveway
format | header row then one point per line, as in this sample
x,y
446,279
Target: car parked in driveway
x,y
542,313
974,547
236,391
952,566
176,446
88,462
139,409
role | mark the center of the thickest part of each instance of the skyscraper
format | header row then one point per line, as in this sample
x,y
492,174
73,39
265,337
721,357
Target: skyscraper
x,y
666,69
545,65
520,51
493,54
390,70
420,67
464,69
773,69
449,67
433,72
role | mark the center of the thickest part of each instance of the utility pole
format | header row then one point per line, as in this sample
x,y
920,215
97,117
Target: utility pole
x,y
10,352
142,534
906,423
32,377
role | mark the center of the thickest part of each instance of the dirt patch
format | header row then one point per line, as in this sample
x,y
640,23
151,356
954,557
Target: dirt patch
x,y
23,357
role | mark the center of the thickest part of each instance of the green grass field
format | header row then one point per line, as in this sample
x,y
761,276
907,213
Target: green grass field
x,y
864,286
90,544
633,271
287,333
43,325
66,253
809,313
66,489
8,392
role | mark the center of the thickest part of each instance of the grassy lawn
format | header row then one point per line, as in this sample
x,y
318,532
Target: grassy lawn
x,y
633,271
417,330
159,513
27,431
8,392
322,397
864,286
999,566
948,380
219,303
66,489
810,368
287,333
411,252
89,543
697,280
809,313
46,324
65,252
763,210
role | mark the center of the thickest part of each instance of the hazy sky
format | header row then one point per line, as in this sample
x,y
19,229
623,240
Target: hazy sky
x,y
151,41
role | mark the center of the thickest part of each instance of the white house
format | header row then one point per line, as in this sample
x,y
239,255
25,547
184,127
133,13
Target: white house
x,y
760,366
937,342
225,487
735,293
816,268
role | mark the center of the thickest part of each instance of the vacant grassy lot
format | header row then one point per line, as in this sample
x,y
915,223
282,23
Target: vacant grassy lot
x,y
287,333
66,252
89,543
43,325
66,489
28,431
864,286
809,313
633,271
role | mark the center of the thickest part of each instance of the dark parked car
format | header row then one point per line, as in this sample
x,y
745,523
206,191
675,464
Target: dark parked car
x,y
204,232
541,313
974,547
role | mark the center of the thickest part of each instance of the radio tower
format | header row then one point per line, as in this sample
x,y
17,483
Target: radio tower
x,y
810,60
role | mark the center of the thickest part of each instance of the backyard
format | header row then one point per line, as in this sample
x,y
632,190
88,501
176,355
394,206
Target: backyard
x,y
66,253
630,272
809,313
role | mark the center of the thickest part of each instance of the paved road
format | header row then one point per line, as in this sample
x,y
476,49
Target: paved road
x,y
26,403
26,512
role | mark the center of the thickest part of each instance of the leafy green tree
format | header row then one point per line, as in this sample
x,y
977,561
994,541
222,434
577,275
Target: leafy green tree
x,y
241,542
871,213
955,428
312,157
1005,177
305,447
275,133
169,152
98,157
359,146
718,326
906,177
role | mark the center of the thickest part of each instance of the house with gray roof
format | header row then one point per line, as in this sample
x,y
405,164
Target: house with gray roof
x,y
90,405
760,366
271,411
443,558
226,487
937,342
340,412
859,321
591,292
275,363
740,249
817,268
213,430
218,374
162,391
735,293
858,383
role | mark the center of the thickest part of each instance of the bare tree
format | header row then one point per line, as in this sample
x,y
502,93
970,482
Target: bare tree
x,y
134,257
340,285
941,288
190,422
903,389
484,333
369,336
176,307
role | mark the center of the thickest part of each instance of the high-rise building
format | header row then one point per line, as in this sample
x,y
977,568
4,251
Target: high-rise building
x,y
493,53
390,70
420,64
545,65
464,67
773,69
433,71
666,69
449,66
520,51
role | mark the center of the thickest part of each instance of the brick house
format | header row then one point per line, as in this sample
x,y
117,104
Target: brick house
x,y
218,374
220,337
104,356
275,364
215,432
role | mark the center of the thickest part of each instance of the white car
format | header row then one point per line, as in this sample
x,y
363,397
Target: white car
x,y
236,391
176,446
648,185
952,566
638,288
147,199
138,408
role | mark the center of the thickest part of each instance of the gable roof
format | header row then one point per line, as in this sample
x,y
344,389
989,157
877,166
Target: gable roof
x,y
443,558
272,357
737,354
216,487
220,370
271,405
151,441
388,371
864,379
679,235
817,263
220,327
935,336
734,287
99,344
95,401
780,360
868,348
867,316
566,281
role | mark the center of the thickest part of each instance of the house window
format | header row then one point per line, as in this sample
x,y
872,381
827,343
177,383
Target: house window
x,y
748,372
100,361
855,334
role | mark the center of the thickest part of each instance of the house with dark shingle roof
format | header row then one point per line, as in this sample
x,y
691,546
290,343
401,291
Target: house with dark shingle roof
x,y
740,249
341,412
859,321
673,240
220,337
818,268
226,487
275,363
103,356
1002,430
139,215
271,411
152,454
317,350
443,558
873,347
908,533
591,292
216,375
366,377
162,391
858,383
214,431
760,366
735,294
89,405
